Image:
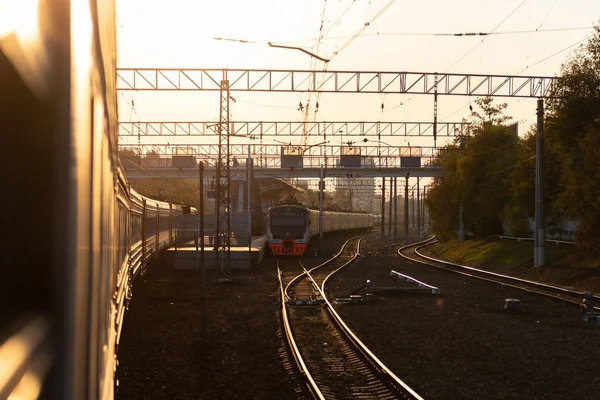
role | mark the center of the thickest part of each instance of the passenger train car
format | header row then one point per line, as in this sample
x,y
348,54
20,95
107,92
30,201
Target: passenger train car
x,y
290,227
77,234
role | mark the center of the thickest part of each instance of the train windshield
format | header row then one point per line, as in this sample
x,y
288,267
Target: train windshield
x,y
287,221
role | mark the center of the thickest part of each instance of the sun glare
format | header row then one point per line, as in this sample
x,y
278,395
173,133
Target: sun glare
x,y
19,17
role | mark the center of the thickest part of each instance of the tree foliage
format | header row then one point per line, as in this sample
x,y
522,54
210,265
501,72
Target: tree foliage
x,y
573,142
475,168
184,191
521,188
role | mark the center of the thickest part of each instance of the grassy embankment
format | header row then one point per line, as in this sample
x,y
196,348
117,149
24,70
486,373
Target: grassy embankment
x,y
564,266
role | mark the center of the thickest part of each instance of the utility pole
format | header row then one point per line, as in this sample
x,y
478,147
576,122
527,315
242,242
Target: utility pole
x,y
435,107
395,207
201,216
321,198
406,231
540,212
390,207
461,223
418,210
412,208
248,199
382,208
223,206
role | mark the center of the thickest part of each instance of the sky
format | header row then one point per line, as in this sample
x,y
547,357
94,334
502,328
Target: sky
x,y
530,37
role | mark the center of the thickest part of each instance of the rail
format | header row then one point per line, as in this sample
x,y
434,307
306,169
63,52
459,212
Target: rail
x,y
483,274
295,351
404,389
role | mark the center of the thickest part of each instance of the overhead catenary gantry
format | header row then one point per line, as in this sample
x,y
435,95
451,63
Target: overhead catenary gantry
x,y
269,80
384,82
259,129
277,157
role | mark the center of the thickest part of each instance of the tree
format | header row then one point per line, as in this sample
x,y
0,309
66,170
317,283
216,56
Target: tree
x,y
573,140
475,168
521,188
490,114
486,163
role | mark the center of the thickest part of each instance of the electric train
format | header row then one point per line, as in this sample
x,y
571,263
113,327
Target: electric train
x,y
77,233
290,227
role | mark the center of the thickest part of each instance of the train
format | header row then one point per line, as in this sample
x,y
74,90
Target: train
x,y
290,227
78,233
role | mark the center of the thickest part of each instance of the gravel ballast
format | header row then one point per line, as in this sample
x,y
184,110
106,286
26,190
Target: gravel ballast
x,y
464,343
461,344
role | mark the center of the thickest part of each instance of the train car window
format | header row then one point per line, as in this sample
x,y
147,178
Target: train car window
x,y
28,199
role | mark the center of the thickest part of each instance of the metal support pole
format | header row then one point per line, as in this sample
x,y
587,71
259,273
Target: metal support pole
x,y
201,216
540,212
435,107
424,208
418,210
406,231
198,231
412,209
461,222
395,207
321,195
248,200
240,206
382,208
223,192
390,216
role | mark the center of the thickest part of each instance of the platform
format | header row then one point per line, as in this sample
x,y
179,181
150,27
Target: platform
x,y
241,256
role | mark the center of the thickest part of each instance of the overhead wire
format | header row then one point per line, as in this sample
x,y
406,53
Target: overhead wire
x,y
547,14
524,69
313,63
361,30
485,37
554,54
478,44
445,34
320,40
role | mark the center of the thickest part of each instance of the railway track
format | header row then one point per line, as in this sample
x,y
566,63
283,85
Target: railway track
x,y
333,361
413,252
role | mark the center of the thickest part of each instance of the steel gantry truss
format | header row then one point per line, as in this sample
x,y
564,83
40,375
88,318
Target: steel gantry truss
x,y
259,129
268,156
261,80
222,196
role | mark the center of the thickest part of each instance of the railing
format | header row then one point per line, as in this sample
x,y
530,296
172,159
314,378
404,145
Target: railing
x,y
530,239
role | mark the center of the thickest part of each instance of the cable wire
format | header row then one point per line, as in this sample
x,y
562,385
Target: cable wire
x,y
361,30
445,34
485,37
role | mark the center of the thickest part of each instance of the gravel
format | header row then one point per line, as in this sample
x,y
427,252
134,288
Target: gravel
x,y
461,344
175,345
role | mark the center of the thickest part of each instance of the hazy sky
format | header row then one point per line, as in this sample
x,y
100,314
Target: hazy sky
x,y
179,33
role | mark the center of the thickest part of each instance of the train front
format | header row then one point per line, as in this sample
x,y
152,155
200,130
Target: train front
x,y
288,230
